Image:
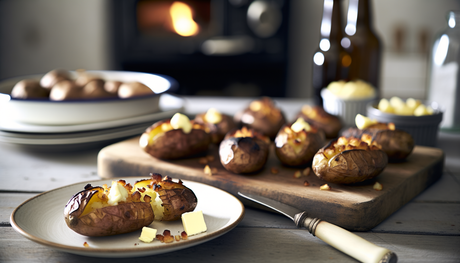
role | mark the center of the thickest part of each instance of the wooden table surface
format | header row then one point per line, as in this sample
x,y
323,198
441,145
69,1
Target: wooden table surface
x,y
427,229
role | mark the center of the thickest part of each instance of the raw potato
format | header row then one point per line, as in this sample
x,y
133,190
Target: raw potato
x,y
162,141
92,212
65,90
29,89
319,118
59,85
53,77
349,160
297,148
133,89
262,116
94,89
218,123
244,151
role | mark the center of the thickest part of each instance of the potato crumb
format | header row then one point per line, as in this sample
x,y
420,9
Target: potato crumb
x,y
297,174
184,235
210,158
160,238
274,170
213,170
203,160
177,237
207,170
325,187
306,183
378,186
306,171
85,244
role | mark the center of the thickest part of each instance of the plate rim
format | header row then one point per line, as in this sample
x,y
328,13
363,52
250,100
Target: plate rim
x,y
125,252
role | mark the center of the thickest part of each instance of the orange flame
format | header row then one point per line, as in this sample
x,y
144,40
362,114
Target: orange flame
x,y
182,19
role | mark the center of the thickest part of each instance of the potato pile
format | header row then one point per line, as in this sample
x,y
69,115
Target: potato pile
x,y
410,107
246,140
58,85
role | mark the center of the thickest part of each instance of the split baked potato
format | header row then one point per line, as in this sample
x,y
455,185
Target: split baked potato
x,y
122,207
218,123
319,118
175,138
244,151
297,143
397,144
263,116
349,160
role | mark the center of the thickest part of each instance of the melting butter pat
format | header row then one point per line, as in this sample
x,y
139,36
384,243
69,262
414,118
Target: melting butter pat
x,y
300,124
193,223
117,194
213,116
180,121
148,234
362,122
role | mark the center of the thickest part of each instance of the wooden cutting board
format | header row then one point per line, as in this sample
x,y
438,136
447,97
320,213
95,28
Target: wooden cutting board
x,y
354,207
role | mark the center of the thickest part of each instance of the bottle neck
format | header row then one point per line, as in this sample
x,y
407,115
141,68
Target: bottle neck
x,y
359,16
331,23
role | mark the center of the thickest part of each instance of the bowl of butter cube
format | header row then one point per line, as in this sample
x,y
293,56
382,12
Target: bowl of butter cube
x,y
419,118
346,99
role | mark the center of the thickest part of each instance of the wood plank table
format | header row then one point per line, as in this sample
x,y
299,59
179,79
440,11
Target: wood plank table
x,y
426,229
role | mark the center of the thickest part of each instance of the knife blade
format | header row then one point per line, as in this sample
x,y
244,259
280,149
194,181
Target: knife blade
x,y
333,235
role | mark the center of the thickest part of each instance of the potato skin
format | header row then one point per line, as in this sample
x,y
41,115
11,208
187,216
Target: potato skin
x,y
397,144
177,198
267,120
106,221
29,89
175,144
349,166
219,130
302,152
330,124
243,155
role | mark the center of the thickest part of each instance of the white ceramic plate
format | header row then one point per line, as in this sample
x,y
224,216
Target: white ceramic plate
x,y
46,112
171,105
41,219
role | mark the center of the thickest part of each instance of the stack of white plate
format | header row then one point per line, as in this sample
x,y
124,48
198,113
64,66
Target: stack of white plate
x,y
71,125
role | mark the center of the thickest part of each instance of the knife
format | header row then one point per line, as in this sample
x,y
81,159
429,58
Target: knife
x,y
335,236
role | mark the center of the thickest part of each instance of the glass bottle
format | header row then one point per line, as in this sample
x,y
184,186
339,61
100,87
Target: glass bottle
x,y
362,42
330,61
444,73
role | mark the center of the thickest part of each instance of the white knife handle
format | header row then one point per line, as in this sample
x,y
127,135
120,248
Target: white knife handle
x,y
346,241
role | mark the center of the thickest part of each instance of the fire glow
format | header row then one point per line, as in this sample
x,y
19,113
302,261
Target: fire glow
x,y
182,19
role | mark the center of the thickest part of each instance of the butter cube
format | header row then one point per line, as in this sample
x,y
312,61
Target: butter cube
x,y
148,234
193,223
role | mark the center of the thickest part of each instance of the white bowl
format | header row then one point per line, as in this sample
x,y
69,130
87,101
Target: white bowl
x,y
47,112
424,129
346,109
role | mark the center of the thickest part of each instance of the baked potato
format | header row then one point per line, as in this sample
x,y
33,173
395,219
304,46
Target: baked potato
x,y
219,124
397,144
320,119
175,138
122,208
297,143
263,116
244,151
349,160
